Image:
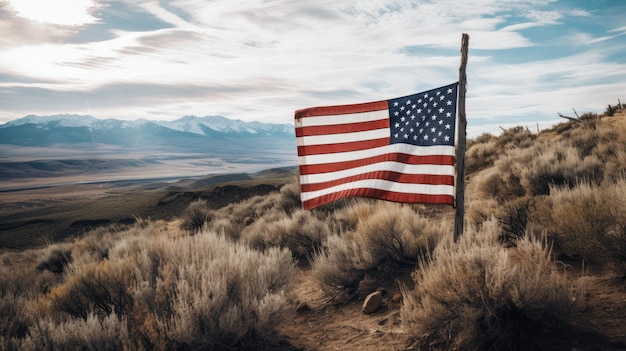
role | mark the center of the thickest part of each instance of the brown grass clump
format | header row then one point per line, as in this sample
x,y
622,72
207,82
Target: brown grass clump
x,y
301,232
93,334
516,137
560,166
233,219
99,288
59,256
195,216
477,295
588,222
481,153
387,238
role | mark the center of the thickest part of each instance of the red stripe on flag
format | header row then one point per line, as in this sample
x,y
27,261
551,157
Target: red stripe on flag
x,y
393,157
341,147
384,175
342,109
379,194
342,128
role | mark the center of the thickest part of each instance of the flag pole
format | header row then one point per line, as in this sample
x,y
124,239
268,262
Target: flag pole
x,y
460,150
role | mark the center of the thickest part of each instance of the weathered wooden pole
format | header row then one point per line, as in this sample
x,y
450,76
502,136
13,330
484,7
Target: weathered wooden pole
x,y
460,150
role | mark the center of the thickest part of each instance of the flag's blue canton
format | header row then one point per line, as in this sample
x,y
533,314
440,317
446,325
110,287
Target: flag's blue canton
x,y
424,119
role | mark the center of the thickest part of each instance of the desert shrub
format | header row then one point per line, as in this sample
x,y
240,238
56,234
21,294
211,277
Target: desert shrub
x,y
582,154
218,292
101,288
480,155
589,222
158,290
57,258
610,110
349,212
560,167
614,169
388,238
233,219
533,171
96,245
20,285
606,142
585,138
20,279
195,216
477,295
516,137
301,232
340,267
481,139
289,199
479,211
93,334
513,217
14,322
588,117
501,184
563,127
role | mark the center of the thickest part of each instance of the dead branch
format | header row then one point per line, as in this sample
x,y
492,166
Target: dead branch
x,y
570,118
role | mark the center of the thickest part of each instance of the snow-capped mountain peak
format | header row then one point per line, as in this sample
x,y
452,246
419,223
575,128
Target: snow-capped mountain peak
x,y
208,125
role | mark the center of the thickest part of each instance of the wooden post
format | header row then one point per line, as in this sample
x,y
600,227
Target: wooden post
x,y
460,150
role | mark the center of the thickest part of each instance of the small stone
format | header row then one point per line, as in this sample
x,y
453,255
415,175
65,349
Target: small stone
x,y
372,302
397,297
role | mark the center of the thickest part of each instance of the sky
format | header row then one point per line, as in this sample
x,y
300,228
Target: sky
x,y
260,60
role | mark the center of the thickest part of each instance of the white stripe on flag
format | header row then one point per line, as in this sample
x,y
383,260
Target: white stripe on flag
x,y
361,154
383,185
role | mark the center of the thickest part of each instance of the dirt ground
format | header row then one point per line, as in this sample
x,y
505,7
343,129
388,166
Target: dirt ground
x,y
600,325
317,325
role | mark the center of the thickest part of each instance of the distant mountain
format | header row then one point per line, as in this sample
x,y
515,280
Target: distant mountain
x,y
63,145
79,128
210,125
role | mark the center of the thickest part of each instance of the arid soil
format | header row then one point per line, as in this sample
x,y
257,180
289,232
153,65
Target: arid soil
x,y
314,324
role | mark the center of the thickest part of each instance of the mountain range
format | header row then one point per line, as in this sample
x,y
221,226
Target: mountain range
x,y
60,145
35,130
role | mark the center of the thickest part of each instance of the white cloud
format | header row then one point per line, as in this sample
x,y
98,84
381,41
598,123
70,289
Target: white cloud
x,y
579,13
262,60
544,17
61,12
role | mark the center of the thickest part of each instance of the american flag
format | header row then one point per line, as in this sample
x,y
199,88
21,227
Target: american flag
x,y
399,150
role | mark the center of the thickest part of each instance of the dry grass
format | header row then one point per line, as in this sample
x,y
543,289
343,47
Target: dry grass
x,y
386,238
150,288
477,295
195,216
588,222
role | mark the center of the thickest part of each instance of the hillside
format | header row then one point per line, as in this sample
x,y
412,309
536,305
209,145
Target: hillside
x,y
541,264
37,216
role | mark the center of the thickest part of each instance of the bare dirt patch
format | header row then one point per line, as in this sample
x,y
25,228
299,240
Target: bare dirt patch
x,y
314,324
317,325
